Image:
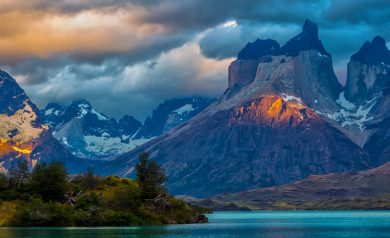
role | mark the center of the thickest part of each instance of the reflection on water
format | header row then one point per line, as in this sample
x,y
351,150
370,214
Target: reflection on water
x,y
291,224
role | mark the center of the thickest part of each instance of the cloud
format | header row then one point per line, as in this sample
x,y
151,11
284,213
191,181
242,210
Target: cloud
x,y
226,41
121,54
180,72
368,11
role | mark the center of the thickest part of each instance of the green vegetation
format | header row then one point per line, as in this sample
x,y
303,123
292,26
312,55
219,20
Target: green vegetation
x,y
47,196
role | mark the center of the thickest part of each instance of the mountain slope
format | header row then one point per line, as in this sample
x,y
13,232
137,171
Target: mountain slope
x,y
170,114
23,136
351,189
271,126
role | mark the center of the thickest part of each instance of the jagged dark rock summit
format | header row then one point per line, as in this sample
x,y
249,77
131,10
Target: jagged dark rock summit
x,y
373,53
257,49
306,40
368,72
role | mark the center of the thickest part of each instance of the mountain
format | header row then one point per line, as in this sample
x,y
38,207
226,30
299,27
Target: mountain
x,y
172,113
365,101
368,71
90,134
23,135
355,190
282,118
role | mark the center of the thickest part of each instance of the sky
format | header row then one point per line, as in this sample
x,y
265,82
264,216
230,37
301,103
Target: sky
x,y
127,56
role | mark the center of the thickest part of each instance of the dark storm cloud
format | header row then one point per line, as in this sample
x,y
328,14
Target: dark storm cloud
x,y
201,14
369,11
224,41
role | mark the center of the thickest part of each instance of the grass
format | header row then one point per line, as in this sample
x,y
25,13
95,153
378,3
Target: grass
x,y
7,211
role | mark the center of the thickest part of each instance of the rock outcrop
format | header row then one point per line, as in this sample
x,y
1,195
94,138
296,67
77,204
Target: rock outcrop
x,y
368,71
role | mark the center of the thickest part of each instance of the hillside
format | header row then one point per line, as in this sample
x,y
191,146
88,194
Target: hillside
x,y
350,190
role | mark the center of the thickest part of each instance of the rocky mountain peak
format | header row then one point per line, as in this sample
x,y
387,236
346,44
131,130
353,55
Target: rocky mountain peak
x,y
81,108
53,114
368,72
244,70
258,48
310,29
373,53
53,109
306,40
81,104
12,97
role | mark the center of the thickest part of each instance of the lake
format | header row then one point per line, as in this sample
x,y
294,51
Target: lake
x,y
276,224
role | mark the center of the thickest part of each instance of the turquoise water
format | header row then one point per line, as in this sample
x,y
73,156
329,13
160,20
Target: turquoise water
x,y
291,224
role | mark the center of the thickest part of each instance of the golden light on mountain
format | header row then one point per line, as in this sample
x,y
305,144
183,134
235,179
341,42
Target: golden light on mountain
x,y
272,110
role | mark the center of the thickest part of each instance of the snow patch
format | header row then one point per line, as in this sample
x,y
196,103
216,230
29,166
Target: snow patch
x,y
342,101
99,116
291,98
184,109
352,115
321,55
52,111
104,144
83,110
65,141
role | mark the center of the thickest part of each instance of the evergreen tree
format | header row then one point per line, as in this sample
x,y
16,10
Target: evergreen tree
x,y
150,177
50,181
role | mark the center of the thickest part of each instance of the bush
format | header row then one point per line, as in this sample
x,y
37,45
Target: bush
x,y
38,213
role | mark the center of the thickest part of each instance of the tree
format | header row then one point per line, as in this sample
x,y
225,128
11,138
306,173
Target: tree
x,y
89,180
150,177
50,181
23,172
3,181
18,174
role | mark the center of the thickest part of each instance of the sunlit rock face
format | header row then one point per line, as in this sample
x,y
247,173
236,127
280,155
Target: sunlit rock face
x,y
272,111
20,126
23,136
281,119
